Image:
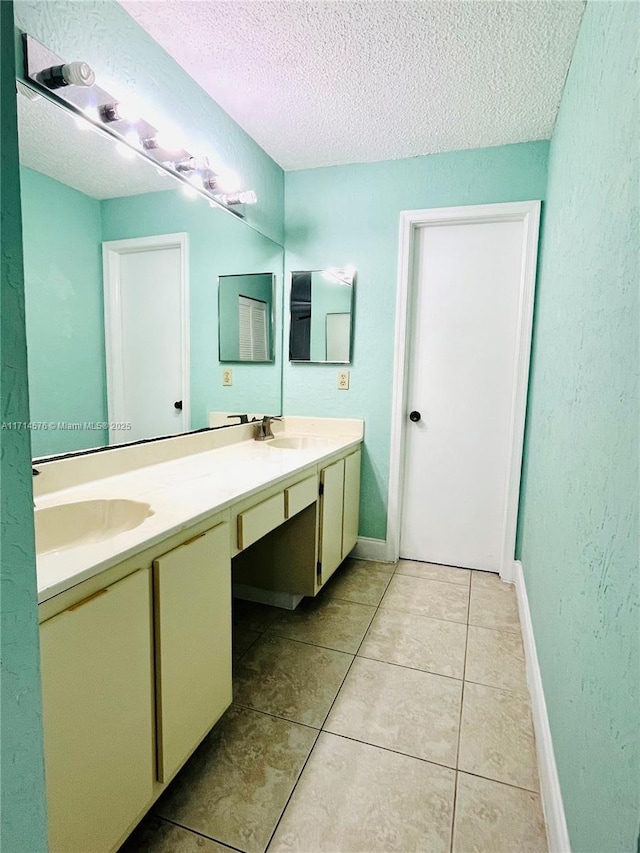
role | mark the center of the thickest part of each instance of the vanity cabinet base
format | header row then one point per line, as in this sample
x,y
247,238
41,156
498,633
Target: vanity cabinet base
x,y
299,556
97,700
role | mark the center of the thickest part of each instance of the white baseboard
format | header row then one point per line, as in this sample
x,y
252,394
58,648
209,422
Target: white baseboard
x,y
551,795
372,549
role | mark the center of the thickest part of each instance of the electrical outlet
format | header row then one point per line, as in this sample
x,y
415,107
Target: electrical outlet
x,y
227,376
343,380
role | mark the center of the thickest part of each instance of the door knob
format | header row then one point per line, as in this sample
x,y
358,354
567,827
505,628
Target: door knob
x,y
415,417
178,405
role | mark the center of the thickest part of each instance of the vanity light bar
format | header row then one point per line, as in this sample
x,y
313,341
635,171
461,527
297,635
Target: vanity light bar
x,y
74,84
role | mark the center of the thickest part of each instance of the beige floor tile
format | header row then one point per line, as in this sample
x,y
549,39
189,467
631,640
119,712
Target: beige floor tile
x,y
495,818
427,598
374,565
290,679
406,710
496,736
354,797
359,581
496,658
493,603
237,783
328,622
250,615
155,835
432,645
434,572
243,638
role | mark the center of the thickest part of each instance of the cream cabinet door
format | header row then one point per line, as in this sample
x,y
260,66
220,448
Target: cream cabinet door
x,y
97,697
192,594
351,503
331,510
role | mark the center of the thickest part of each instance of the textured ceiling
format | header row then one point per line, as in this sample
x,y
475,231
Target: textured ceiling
x,y
52,143
324,83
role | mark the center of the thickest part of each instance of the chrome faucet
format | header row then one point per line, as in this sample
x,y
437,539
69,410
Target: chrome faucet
x,y
264,428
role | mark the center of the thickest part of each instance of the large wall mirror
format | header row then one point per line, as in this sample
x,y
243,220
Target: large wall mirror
x,y
79,193
321,309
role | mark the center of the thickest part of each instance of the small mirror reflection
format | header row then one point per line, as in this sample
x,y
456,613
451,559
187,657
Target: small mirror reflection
x,y
245,317
321,315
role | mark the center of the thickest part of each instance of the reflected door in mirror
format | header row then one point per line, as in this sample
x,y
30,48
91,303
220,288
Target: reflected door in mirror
x,y
147,335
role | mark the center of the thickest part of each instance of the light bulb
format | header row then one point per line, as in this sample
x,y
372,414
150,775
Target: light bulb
x,y
171,139
231,199
228,181
133,138
128,110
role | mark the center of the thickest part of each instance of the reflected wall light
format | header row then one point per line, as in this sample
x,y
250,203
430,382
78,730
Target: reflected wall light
x,y
74,83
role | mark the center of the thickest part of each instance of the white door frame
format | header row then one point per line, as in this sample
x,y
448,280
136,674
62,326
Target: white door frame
x,y
527,212
111,254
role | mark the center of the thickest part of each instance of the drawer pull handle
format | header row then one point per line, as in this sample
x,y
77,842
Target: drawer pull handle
x,y
89,598
193,538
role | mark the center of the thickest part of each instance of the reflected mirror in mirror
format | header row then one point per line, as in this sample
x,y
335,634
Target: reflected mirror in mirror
x,y
245,317
79,193
321,309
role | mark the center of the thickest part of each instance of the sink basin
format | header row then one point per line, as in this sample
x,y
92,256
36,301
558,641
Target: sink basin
x,y
72,524
298,442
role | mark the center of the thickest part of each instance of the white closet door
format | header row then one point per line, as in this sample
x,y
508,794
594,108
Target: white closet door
x,y
465,324
252,319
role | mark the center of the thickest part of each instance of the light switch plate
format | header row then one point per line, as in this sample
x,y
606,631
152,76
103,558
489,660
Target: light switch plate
x,y
343,380
227,376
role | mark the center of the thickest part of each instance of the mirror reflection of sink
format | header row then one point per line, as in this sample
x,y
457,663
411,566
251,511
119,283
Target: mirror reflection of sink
x,y
298,442
68,525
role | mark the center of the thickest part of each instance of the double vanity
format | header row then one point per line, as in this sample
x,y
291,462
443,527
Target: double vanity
x,y
139,548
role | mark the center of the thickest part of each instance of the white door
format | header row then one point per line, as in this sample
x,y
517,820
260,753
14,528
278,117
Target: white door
x,y
339,337
463,405
146,332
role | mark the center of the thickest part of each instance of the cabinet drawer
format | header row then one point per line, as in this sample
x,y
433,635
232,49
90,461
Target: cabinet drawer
x,y
254,523
299,496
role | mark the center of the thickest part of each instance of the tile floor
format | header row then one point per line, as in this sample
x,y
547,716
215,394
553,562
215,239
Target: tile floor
x,y
390,713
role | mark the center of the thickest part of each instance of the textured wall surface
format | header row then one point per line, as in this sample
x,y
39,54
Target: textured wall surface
x,y
62,235
219,244
23,827
350,215
126,59
369,80
579,510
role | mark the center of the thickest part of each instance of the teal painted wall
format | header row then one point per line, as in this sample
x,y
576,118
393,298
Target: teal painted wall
x,y
62,236
23,819
579,509
119,50
219,244
350,215
254,286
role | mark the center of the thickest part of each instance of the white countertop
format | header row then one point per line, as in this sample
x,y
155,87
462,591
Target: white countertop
x,y
181,492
